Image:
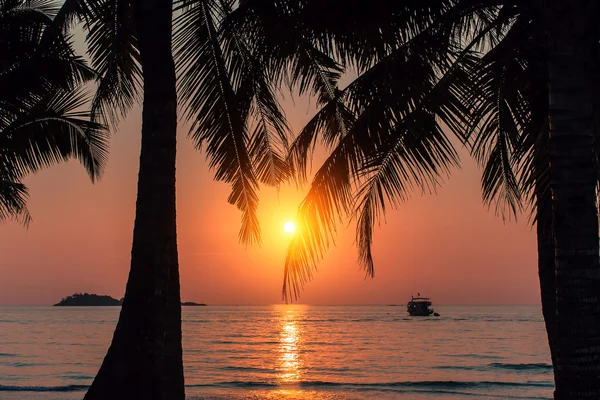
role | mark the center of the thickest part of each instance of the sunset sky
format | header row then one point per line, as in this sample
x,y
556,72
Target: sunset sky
x,y
447,246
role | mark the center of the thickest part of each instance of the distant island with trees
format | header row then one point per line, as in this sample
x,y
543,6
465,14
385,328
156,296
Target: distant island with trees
x,y
91,300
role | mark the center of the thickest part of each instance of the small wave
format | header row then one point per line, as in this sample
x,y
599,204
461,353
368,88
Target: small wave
x,y
65,388
458,384
515,367
406,384
455,367
78,377
236,384
313,320
8,355
23,364
364,320
470,384
482,356
254,369
344,320
521,367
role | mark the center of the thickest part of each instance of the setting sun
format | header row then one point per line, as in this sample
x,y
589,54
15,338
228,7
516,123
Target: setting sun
x,y
289,227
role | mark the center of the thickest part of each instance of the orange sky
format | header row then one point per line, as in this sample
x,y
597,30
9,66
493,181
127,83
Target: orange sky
x,y
447,246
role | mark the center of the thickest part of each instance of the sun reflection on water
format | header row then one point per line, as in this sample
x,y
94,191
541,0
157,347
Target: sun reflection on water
x,y
290,344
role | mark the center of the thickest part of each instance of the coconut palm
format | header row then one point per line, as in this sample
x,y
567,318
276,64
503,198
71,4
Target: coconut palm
x,y
573,36
508,135
41,122
228,96
514,33
130,44
514,77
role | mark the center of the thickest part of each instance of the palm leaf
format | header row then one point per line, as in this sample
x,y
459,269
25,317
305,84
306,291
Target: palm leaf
x,y
255,94
379,156
416,156
31,66
329,123
53,131
40,119
500,119
212,106
329,197
113,50
285,47
13,201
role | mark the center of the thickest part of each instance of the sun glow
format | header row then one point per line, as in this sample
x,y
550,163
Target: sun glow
x,y
289,227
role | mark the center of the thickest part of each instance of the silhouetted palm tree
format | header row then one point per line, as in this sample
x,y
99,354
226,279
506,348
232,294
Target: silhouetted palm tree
x,y
510,119
229,97
508,133
573,36
42,83
130,42
513,82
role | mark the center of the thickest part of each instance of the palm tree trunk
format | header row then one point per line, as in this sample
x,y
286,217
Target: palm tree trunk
x,y
545,241
573,183
144,360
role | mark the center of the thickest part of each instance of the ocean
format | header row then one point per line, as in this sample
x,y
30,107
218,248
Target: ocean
x,y
295,352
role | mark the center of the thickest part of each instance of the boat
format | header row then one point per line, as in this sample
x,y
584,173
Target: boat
x,y
419,306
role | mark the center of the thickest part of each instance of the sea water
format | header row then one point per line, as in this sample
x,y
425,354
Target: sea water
x,y
295,352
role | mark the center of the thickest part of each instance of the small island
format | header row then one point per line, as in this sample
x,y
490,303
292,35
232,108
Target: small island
x,y
95,300
87,300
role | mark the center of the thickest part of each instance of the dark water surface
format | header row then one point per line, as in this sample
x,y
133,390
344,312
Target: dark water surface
x,y
295,352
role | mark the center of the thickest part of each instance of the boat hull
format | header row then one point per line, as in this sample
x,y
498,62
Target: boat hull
x,y
420,313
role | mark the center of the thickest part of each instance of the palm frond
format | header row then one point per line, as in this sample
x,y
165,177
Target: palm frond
x,y
329,123
417,155
259,107
31,66
500,118
53,131
71,12
393,143
47,7
328,199
268,156
13,201
212,106
113,49
285,47
40,119
369,31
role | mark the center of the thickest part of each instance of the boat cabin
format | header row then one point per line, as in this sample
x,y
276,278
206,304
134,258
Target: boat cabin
x,y
419,306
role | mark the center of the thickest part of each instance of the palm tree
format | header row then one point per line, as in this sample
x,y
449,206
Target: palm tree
x,y
508,135
519,121
573,38
516,75
145,357
42,84
229,97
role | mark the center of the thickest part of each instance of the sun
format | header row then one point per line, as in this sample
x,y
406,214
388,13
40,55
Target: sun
x,y
289,227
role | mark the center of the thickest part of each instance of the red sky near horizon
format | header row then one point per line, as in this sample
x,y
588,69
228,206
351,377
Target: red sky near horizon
x,y
448,246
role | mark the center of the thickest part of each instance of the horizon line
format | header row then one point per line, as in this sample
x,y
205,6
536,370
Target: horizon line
x,y
309,304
